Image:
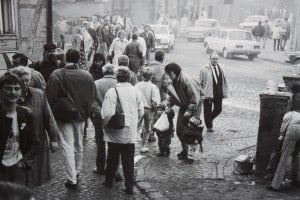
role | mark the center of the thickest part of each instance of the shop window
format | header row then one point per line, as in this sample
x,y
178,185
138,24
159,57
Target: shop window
x,y
7,21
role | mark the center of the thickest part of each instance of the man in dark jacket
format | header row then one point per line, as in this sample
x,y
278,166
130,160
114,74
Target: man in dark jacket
x,y
258,31
81,90
149,39
186,95
19,140
135,54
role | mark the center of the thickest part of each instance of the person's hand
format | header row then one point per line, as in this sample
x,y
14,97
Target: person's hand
x,y
168,110
22,164
53,146
280,138
187,114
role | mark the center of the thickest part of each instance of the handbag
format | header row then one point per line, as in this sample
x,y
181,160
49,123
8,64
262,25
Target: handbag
x,y
162,124
117,121
64,109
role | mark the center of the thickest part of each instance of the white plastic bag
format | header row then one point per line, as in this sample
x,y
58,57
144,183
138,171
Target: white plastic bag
x,y
162,123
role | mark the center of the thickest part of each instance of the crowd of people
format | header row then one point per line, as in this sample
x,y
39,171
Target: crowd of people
x,y
280,33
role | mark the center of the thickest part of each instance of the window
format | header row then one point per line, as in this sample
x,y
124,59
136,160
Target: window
x,y
240,35
7,22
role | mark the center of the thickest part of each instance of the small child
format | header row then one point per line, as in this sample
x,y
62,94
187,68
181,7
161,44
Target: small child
x,y
151,98
164,138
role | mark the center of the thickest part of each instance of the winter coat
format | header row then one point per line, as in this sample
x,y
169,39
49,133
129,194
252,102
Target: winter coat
x,y
134,52
258,31
206,82
118,47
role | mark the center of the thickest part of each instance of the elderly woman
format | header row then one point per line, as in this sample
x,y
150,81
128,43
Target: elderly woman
x,y
290,134
118,46
44,123
121,141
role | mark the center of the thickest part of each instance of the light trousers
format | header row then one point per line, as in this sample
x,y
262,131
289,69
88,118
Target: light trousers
x,y
71,138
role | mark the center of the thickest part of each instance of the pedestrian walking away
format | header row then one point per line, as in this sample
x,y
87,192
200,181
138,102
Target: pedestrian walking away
x,y
214,85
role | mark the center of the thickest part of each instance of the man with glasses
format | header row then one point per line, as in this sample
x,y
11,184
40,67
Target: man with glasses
x,y
214,85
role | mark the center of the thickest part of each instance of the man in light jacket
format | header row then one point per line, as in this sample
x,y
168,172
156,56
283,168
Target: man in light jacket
x,y
214,85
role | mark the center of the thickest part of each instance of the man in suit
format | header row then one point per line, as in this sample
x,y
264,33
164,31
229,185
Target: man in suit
x,y
214,85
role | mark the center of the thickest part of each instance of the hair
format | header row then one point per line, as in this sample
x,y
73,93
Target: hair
x,y
147,73
214,54
120,32
9,78
72,56
173,67
23,58
123,74
123,60
159,55
11,191
134,36
99,57
21,71
108,69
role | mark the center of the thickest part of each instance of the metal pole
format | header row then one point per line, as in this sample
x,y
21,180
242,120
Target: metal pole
x,y
49,22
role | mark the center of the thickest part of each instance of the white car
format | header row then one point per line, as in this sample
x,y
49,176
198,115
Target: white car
x,y
231,42
252,21
202,29
164,37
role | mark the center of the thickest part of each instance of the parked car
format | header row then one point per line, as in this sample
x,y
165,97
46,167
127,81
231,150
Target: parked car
x,y
202,29
294,58
252,21
164,37
231,42
6,61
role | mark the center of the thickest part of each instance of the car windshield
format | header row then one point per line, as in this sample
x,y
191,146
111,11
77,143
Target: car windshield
x,y
240,35
253,19
160,29
204,23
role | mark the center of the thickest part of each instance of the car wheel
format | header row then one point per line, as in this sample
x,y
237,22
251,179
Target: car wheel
x,y
297,62
251,57
225,53
208,50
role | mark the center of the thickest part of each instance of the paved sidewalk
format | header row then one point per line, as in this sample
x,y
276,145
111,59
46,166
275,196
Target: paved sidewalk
x,y
274,56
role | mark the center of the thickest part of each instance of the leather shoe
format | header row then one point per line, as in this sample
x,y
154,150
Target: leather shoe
x,y
272,189
70,185
160,154
118,177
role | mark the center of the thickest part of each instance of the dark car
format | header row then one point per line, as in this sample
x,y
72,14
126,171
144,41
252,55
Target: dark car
x,y
6,60
294,58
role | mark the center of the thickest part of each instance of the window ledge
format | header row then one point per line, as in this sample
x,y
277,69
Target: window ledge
x,y
9,37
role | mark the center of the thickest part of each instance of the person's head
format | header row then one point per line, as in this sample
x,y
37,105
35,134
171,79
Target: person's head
x,y
259,23
108,69
121,34
49,52
10,88
99,59
147,73
123,61
72,56
134,37
11,191
146,28
214,58
24,75
135,30
123,74
81,31
173,70
19,59
159,56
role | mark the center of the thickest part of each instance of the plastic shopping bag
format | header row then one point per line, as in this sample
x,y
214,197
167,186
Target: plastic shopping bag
x,y
162,124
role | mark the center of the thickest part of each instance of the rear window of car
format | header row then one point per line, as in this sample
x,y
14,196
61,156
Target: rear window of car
x,y
240,35
2,63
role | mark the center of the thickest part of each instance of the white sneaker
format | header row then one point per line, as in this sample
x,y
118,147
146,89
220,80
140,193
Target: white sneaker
x,y
144,149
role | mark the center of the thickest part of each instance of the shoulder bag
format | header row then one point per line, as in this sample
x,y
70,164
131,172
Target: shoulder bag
x,y
117,121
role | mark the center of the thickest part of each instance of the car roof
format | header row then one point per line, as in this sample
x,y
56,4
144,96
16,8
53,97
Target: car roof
x,y
212,20
232,29
263,16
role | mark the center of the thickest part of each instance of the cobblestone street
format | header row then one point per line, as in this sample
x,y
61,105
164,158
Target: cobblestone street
x,y
210,176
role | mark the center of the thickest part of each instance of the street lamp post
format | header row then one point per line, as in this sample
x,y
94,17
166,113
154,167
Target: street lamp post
x,y
49,22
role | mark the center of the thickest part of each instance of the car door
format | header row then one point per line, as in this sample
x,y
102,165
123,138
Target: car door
x,y
223,41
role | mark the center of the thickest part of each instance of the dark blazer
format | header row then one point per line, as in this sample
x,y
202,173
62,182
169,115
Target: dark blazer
x,y
29,140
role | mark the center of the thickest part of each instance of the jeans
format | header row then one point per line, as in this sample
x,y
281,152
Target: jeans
x,y
209,113
71,138
147,125
127,157
276,43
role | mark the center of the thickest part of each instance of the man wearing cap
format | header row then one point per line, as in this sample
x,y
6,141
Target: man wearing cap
x,y
214,85
48,63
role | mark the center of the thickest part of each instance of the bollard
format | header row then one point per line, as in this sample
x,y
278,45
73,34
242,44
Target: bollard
x,y
272,109
296,168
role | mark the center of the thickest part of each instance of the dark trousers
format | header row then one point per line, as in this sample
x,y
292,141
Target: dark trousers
x,y
101,151
164,143
180,128
13,174
276,43
126,151
212,108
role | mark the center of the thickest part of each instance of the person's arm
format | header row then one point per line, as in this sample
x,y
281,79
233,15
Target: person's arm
x,y
287,118
155,96
53,89
140,105
193,95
